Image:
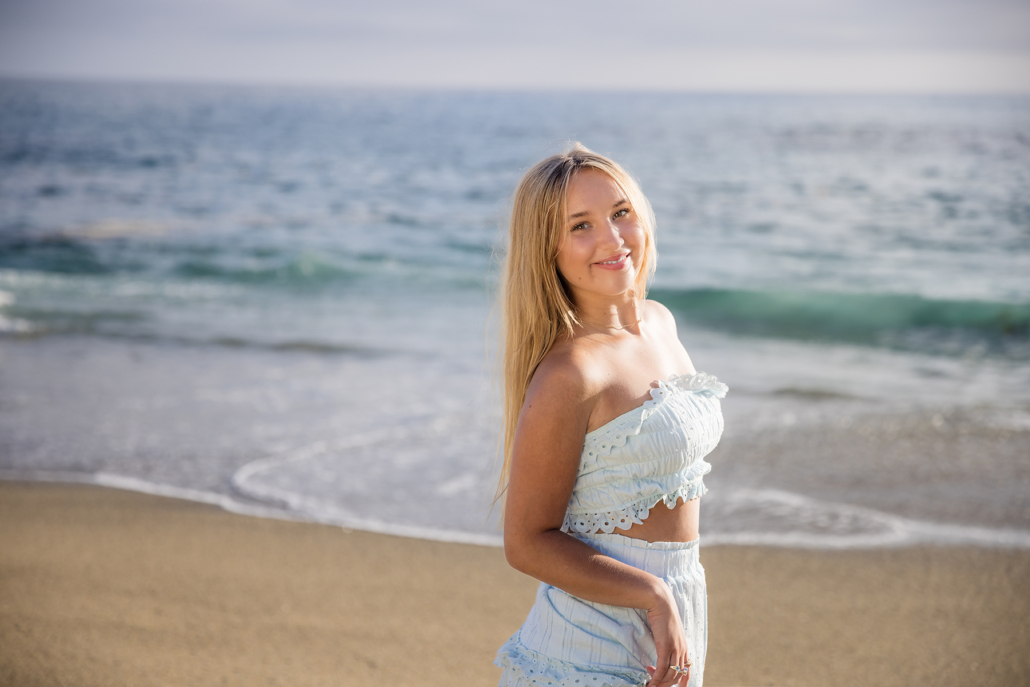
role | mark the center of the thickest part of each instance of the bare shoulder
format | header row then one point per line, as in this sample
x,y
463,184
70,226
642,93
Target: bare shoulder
x,y
567,376
657,313
662,319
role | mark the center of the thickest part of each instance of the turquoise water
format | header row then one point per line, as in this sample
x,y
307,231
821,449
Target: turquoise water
x,y
193,278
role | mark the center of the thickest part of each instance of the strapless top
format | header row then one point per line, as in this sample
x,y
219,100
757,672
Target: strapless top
x,y
653,453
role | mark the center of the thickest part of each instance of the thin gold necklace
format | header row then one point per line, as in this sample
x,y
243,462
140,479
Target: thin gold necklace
x,y
614,326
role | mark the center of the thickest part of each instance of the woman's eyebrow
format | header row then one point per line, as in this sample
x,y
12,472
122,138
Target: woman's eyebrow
x,y
587,212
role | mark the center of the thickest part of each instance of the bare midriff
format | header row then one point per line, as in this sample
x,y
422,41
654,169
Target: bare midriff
x,y
679,524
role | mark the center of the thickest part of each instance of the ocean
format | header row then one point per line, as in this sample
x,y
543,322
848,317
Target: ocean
x,y
281,300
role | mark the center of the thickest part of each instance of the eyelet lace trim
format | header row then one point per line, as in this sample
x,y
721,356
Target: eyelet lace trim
x,y
614,435
633,514
524,666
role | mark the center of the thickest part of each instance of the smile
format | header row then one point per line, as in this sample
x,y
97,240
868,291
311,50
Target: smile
x,y
615,262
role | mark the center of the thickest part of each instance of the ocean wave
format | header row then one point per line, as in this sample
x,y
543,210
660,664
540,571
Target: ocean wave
x,y
893,320
92,325
151,252
307,270
54,253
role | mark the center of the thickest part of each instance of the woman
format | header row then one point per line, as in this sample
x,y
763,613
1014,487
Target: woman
x,y
605,419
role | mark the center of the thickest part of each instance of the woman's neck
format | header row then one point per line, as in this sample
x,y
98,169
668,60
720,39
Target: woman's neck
x,y
610,313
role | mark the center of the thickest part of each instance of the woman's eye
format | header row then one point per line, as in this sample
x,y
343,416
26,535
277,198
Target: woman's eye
x,y
621,213
581,225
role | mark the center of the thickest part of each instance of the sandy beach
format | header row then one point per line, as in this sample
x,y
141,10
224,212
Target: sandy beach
x,y
106,587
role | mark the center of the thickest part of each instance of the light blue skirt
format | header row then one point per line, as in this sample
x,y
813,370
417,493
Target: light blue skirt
x,y
569,642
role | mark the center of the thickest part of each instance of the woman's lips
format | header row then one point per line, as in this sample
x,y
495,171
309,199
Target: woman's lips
x,y
616,262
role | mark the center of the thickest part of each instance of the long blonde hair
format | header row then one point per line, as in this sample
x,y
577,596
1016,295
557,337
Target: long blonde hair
x,y
537,307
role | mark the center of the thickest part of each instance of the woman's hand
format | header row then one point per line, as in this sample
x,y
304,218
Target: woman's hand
x,y
670,642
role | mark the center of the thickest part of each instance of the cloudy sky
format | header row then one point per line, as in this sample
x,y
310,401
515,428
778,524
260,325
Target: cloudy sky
x,y
726,45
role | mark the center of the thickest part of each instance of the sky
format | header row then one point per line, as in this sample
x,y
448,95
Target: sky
x,y
911,46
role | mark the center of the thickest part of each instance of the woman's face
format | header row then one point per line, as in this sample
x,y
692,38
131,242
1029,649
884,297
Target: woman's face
x,y
603,246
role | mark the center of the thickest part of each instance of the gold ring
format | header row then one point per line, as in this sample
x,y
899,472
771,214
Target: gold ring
x,y
689,663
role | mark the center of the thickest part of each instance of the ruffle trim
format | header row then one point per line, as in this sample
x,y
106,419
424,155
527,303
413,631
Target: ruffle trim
x,y
633,514
524,666
700,381
615,434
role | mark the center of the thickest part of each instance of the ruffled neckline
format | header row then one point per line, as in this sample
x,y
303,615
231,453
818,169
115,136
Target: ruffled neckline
x,y
696,382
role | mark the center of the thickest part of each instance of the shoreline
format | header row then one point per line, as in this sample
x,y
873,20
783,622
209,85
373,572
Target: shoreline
x,y
932,534
924,478
111,587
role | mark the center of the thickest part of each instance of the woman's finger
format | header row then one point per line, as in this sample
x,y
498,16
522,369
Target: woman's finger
x,y
664,675
658,674
684,673
679,674
675,675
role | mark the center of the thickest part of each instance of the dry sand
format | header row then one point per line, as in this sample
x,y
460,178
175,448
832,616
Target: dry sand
x,y
110,588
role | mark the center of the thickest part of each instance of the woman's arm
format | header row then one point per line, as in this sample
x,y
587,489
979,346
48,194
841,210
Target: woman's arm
x,y
548,443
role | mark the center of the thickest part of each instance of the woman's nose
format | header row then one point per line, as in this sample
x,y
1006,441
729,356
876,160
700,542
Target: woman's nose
x,y
611,234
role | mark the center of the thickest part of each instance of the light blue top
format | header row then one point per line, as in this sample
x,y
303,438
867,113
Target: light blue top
x,y
652,453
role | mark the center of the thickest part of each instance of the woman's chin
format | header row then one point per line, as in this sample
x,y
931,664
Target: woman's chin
x,y
617,290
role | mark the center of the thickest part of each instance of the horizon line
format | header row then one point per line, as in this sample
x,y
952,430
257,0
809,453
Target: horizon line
x,y
327,85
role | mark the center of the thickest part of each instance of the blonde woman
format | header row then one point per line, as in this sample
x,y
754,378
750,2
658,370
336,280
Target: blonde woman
x,y
606,428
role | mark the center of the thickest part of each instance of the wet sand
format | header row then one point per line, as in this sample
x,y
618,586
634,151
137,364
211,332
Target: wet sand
x,y
105,587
